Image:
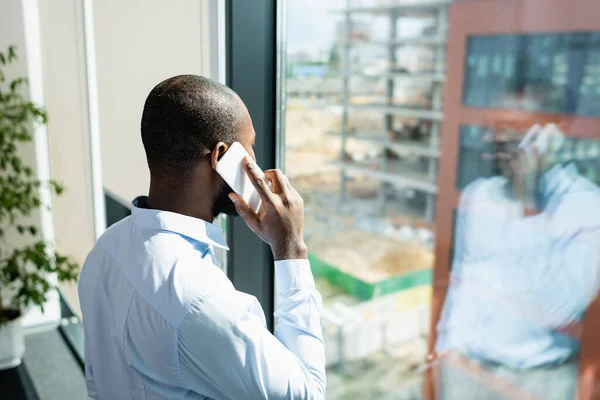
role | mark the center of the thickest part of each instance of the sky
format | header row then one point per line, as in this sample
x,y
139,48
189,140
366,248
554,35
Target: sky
x,y
311,25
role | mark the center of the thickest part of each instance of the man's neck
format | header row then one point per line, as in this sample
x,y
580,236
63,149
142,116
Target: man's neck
x,y
161,197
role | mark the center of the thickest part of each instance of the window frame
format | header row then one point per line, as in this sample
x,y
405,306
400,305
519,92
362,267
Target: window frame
x,y
251,45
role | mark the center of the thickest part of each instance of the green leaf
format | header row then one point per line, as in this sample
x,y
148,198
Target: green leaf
x,y
12,53
16,164
40,247
14,85
58,188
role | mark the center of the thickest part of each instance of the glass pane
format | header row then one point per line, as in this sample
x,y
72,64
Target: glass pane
x,y
362,147
458,140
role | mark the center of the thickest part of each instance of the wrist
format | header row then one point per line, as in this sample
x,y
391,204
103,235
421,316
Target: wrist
x,y
295,250
531,211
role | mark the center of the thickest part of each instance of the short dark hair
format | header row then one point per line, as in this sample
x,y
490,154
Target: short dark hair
x,y
183,117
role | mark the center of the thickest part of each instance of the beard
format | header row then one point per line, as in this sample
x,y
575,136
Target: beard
x,y
222,203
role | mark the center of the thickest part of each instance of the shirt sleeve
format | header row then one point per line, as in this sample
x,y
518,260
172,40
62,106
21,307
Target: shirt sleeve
x,y
561,247
561,255
226,352
573,269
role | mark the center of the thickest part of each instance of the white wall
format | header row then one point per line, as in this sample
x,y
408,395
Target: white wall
x,y
64,68
68,129
138,44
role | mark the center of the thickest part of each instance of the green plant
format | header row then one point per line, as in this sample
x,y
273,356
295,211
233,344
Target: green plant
x,y
24,270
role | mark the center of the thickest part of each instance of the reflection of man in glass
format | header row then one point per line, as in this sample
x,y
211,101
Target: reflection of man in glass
x,y
525,268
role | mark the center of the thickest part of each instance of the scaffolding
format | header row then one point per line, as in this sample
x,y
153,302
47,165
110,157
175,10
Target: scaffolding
x,y
387,171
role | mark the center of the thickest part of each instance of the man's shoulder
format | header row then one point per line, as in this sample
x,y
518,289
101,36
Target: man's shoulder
x,y
582,201
114,234
174,275
166,269
175,292
487,186
484,191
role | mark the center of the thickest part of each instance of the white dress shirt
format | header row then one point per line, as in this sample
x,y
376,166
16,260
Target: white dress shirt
x,y
162,321
516,281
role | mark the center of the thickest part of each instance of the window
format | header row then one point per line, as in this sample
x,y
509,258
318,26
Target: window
x,y
362,135
448,154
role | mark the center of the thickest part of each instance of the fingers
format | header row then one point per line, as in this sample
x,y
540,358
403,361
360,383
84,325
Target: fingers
x,y
281,183
258,181
244,211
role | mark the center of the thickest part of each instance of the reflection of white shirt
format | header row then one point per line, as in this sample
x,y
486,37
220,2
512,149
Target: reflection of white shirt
x,y
162,321
516,279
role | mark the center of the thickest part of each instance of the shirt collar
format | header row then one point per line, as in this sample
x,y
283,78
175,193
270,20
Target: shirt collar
x,y
191,227
559,178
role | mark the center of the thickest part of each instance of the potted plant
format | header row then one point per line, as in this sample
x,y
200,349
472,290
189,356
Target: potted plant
x,y
27,270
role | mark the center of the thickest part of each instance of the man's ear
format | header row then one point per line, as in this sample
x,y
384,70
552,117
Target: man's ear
x,y
217,152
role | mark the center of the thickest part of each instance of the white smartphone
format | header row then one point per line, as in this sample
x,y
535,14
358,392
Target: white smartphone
x,y
231,169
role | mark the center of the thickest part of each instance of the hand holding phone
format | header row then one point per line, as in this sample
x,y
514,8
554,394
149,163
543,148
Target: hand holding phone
x,y
543,139
279,217
532,161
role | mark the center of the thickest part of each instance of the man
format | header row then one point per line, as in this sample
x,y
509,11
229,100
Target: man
x,y
526,267
162,321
